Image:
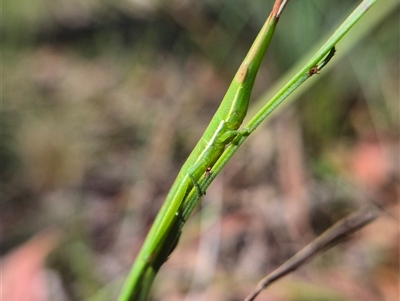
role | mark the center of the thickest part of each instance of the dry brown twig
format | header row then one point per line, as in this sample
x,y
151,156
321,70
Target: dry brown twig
x,y
335,234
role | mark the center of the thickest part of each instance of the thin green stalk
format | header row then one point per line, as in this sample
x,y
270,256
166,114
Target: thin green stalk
x,y
176,210
362,29
299,78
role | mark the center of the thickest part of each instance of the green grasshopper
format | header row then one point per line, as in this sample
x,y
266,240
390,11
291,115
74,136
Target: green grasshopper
x,y
223,128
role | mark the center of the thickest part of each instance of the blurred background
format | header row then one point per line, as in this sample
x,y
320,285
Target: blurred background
x,y
102,101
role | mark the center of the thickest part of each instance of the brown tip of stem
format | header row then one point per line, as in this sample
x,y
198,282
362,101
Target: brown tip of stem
x,y
278,8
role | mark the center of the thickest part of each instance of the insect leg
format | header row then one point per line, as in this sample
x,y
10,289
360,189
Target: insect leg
x,y
197,186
